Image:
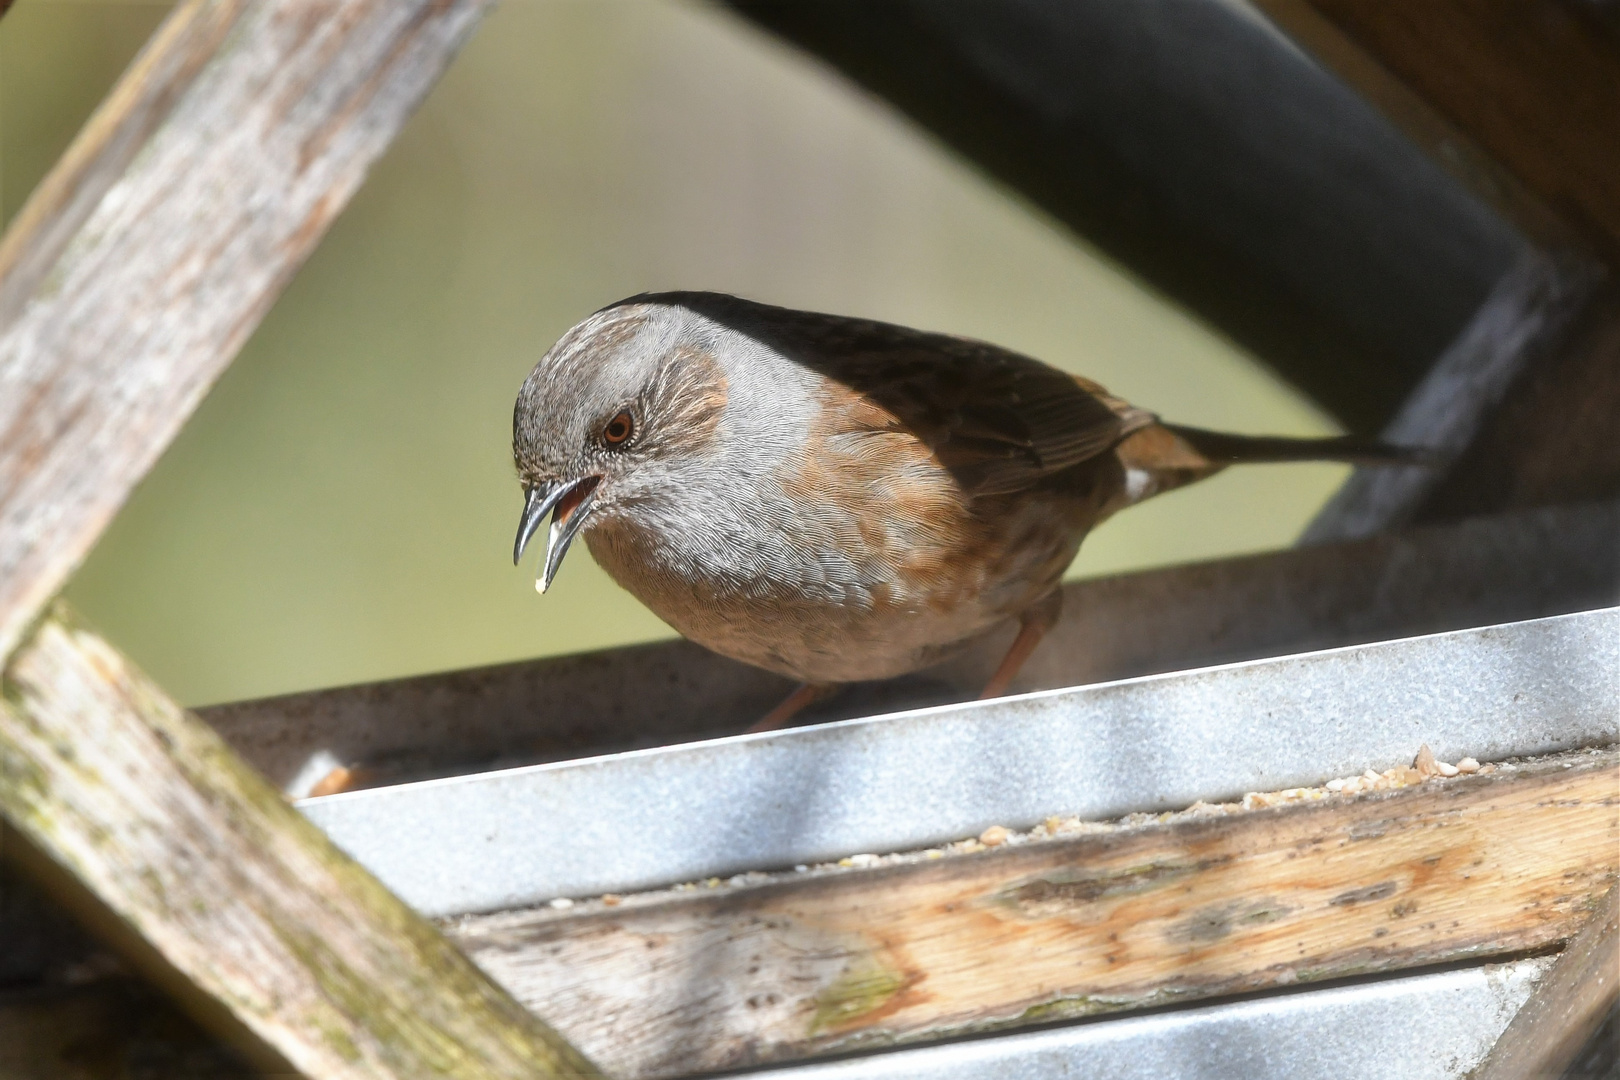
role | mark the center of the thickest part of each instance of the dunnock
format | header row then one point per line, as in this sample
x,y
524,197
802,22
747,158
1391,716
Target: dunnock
x,y
837,499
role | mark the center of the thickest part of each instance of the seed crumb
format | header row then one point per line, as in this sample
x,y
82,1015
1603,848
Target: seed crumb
x,y
612,899
562,903
338,780
1468,765
994,836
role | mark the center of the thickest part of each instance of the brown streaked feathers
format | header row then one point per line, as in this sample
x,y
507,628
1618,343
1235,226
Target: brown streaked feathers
x,y
839,499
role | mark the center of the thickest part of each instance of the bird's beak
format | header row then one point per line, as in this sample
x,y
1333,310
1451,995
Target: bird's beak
x,y
571,500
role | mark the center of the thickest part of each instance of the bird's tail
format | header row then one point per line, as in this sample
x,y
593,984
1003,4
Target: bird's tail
x,y
1221,448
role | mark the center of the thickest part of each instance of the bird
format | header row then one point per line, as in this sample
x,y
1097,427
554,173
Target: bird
x,y
837,499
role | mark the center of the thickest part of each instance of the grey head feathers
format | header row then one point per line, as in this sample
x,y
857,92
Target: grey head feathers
x,y
712,414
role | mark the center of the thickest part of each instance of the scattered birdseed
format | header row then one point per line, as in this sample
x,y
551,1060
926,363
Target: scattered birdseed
x,y
338,780
1056,827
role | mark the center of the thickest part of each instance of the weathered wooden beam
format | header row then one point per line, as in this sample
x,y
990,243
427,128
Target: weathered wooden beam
x,y
1548,1032
145,259
1525,328
1211,158
1093,921
1535,84
1425,122
163,838
1551,439
1519,102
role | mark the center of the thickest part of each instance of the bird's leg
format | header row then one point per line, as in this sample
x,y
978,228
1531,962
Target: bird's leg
x,y
806,695
1032,626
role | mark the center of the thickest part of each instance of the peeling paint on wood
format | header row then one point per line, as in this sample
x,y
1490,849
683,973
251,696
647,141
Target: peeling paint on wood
x,y
675,983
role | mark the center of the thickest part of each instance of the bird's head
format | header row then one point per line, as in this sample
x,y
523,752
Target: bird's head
x,y
609,418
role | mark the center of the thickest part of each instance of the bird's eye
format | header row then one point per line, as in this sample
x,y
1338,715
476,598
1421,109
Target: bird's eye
x,y
618,429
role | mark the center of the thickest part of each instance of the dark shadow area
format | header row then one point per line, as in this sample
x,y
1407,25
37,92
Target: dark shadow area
x,y
1194,143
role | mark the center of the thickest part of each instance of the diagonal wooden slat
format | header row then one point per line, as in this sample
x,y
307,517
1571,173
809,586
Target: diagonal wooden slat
x,y
130,279
1535,84
1548,1034
158,833
145,259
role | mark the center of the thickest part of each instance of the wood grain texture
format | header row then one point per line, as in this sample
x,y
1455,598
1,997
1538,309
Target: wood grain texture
x,y
1425,122
231,899
1535,83
146,258
678,983
1552,438
1524,326
143,99
1567,1007
1519,101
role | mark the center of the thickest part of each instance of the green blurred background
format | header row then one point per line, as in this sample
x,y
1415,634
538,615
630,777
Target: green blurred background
x,y
342,506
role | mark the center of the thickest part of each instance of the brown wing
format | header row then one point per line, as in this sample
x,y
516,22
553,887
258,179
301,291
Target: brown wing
x,y
999,421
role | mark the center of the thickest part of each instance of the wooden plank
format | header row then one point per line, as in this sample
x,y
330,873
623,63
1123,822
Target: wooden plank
x,y
1551,439
1535,83
1519,102
158,834
1548,1032
147,257
143,99
1523,327
1423,121
1205,154
1113,918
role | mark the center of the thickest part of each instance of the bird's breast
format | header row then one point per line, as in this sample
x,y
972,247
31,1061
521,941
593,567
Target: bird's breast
x,y
856,558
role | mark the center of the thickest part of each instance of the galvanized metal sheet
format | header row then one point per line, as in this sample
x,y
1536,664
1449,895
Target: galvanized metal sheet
x,y
653,817
1424,1027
